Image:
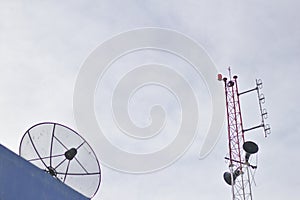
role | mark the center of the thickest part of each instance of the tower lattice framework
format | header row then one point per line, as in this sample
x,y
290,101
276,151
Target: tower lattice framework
x,y
241,172
239,168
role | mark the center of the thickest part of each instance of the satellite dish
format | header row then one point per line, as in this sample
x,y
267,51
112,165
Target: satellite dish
x,y
230,84
250,148
230,178
64,154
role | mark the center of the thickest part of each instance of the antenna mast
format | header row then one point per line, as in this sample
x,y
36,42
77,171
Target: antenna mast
x,y
240,176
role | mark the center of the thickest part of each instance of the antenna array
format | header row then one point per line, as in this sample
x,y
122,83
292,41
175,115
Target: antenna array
x,y
240,177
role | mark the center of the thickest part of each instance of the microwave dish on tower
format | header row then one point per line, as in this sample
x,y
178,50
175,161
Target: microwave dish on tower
x,y
64,154
241,168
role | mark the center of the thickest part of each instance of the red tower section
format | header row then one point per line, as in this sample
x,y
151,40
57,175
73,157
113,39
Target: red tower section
x,y
234,120
240,176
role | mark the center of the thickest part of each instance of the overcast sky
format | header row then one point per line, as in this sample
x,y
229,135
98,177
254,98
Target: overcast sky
x,y
44,43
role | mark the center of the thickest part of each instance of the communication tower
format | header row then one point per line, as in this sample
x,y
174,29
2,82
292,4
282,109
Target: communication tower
x,y
241,169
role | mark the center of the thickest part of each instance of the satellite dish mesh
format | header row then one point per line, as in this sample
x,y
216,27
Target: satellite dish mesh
x,y
64,154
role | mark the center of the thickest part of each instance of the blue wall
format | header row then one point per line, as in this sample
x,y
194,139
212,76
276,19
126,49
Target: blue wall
x,y
20,180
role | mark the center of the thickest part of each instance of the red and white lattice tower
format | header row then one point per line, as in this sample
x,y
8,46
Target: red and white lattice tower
x,y
240,176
